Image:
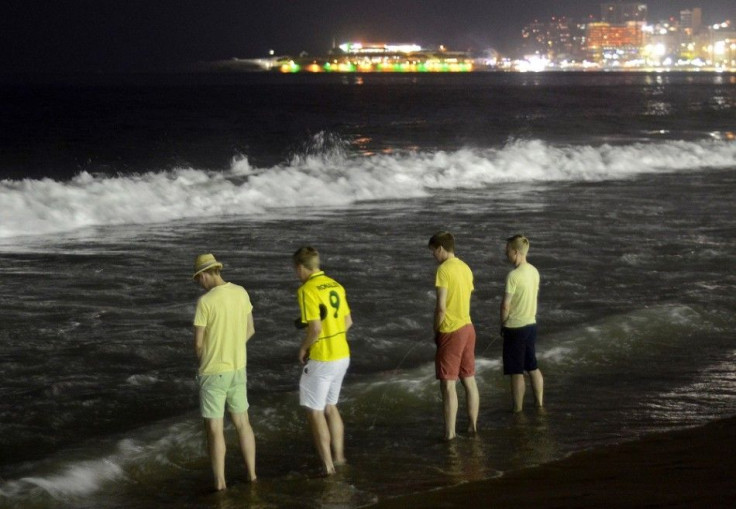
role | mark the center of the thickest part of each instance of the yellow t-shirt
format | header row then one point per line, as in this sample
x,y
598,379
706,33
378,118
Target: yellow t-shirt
x,y
455,275
523,285
223,311
319,289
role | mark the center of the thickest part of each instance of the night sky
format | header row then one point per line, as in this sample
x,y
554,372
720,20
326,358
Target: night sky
x,y
146,35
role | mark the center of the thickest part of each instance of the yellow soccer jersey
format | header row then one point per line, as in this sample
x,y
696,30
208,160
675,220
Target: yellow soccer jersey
x,y
320,290
455,275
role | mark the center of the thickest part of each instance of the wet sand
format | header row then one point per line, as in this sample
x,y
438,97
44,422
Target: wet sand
x,y
693,468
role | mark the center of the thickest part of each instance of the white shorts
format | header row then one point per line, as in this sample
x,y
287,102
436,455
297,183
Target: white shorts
x,y
321,382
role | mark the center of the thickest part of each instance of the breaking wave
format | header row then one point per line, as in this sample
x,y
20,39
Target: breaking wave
x,y
332,176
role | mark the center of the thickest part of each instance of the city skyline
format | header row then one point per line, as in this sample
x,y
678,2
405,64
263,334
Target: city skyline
x,y
109,36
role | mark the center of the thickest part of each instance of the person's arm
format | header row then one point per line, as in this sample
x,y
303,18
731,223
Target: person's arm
x,y
505,308
314,329
251,328
348,322
440,307
199,341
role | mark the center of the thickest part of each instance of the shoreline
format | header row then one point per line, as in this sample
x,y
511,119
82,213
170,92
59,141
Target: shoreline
x,y
690,468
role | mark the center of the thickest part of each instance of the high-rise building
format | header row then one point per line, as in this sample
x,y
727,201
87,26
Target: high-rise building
x,y
620,13
691,20
607,42
534,38
551,39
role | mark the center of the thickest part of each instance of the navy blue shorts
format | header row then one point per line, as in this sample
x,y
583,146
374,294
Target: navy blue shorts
x,y
519,354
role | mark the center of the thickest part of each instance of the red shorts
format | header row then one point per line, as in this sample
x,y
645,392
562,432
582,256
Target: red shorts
x,y
455,356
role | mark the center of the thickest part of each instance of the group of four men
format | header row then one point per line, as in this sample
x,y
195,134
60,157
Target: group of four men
x,y
223,323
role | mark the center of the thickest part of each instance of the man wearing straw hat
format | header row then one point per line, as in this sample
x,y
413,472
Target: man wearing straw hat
x,y
223,323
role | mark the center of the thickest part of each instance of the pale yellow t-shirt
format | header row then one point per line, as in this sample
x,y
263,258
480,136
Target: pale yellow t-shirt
x,y
455,275
523,285
224,312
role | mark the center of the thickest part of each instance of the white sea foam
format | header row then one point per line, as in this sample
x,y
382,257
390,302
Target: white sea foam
x,y
78,479
36,207
157,448
140,380
605,343
75,480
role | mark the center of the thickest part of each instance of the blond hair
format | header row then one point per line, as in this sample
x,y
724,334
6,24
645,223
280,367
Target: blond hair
x,y
518,243
306,256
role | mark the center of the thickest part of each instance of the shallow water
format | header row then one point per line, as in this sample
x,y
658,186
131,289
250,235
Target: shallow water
x,y
636,336
98,405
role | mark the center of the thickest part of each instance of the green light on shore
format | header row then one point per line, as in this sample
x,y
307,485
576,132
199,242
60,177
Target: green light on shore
x,y
290,67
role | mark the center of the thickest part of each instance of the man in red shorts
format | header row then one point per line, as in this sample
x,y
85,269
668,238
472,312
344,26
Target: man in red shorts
x,y
454,332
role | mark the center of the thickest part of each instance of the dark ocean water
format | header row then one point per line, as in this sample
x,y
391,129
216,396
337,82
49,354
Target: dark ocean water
x,y
109,186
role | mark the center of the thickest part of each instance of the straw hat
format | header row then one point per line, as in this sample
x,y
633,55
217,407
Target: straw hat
x,y
205,262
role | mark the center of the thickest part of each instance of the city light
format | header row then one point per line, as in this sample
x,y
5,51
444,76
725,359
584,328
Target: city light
x,y
384,57
622,39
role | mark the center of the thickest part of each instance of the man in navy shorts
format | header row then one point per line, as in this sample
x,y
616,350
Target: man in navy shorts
x,y
519,323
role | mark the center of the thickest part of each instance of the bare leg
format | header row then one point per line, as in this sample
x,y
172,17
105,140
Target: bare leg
x,y
321,436
449,402
537,386
247,441
473,402
216,447
518,387
337,434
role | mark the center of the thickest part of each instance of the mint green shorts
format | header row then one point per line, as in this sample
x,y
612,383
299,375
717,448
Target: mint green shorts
x,y
216,391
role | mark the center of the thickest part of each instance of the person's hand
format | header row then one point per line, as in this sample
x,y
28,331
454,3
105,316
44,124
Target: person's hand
x,y
303,355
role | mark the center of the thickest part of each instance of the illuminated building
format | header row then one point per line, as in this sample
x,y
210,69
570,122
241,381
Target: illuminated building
x,y
383,57
534,38
358,48
610,44
691,20
717,45
662,45
556,40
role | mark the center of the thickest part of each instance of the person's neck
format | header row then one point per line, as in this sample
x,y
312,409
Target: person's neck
x,y
309,273
520,260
